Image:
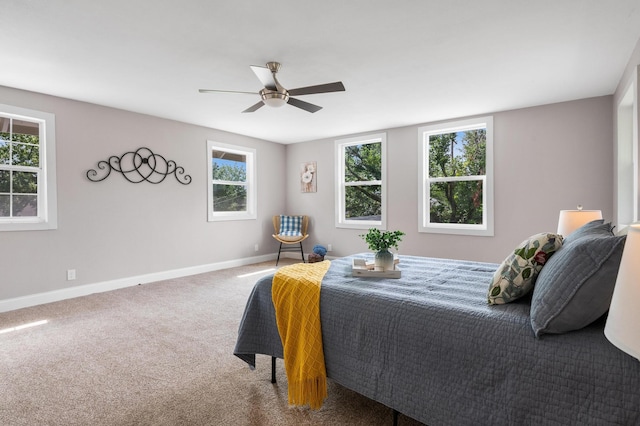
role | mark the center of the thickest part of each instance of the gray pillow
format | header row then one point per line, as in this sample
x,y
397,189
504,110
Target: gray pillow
x,y
596,227
574,288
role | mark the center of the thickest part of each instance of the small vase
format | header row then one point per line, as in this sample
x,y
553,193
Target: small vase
x,y
384,260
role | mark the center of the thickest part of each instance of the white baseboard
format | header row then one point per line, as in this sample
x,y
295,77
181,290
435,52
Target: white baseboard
x,y
84,290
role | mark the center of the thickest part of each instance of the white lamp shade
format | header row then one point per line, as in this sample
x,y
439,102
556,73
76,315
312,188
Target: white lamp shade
x,y
623,323
570,220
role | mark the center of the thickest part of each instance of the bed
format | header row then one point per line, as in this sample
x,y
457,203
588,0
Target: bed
x,y
428,345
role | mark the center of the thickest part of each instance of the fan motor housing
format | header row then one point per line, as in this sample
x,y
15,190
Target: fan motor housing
x,y
273,98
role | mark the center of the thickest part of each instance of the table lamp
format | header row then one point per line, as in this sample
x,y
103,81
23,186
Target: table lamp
x,y
570,220
623,323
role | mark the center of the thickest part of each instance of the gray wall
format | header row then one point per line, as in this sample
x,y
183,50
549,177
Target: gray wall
x,y
115,229
546,158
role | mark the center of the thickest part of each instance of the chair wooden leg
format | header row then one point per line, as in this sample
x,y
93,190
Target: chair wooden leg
x,y
302,252
278,259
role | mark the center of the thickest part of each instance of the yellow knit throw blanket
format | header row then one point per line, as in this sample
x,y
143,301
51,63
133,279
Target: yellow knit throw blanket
x,y
296,297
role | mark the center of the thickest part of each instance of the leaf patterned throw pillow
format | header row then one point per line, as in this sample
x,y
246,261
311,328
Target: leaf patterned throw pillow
x,y
517,274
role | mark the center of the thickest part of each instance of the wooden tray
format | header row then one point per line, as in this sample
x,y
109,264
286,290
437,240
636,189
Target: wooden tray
x,y
358,269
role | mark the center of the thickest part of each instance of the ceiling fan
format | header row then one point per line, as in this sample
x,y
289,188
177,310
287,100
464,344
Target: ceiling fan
x,y
275,95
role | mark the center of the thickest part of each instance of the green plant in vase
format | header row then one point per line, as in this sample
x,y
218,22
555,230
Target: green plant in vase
x,y
380,242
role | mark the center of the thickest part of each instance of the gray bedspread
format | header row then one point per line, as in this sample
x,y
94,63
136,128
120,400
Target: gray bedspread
x,y
429,346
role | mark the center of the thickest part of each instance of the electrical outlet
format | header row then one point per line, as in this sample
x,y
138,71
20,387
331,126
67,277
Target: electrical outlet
x,y
71,274
256,247
329,247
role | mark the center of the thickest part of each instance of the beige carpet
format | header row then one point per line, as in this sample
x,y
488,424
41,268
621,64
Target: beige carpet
x,y
154,354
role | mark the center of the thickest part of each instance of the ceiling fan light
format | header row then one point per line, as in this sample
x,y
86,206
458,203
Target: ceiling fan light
x,y
274,102
275,99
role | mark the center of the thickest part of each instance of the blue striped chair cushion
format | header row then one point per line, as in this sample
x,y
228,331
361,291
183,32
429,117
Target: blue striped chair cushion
x,y
291,226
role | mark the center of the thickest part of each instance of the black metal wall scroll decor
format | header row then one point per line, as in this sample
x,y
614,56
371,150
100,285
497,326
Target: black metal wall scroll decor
x,y
141,165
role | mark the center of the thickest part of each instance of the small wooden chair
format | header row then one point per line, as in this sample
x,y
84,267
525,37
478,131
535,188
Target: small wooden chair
x,y
288,241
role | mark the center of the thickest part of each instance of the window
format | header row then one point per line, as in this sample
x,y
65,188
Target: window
x,y
456,170
360,178
232,185
27,170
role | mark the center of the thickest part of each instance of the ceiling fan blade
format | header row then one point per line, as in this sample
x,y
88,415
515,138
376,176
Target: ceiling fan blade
x,y
304,105
254,107
225,91
265,76
320,88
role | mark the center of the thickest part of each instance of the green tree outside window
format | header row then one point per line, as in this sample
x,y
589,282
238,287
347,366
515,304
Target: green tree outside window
x,y
363,193
19,167
229,182
457,164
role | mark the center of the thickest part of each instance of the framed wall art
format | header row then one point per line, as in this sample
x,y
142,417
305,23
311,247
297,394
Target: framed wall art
x,y
308,172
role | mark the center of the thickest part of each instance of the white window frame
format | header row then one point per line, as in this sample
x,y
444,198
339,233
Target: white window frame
x,y
251,212
340,215
424,224
47,192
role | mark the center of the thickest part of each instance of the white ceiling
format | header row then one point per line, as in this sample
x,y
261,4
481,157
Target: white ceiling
x,y
402,62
